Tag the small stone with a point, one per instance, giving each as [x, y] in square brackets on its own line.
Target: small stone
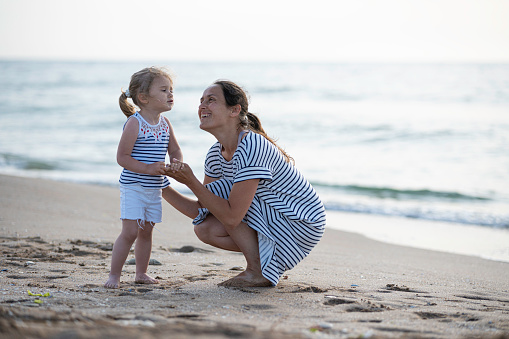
[154, 262]
[151, 262]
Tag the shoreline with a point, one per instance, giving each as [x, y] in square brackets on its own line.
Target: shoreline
[56, 238]
[472, 240]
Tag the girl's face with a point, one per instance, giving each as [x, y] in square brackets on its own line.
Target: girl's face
[213, 110]
[160, 95]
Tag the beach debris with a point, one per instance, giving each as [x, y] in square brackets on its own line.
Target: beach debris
[150, 262]
[237, 268]
[333, 300]
[135, 322]
[39, 296]
[367, 334]
[312, 289]
[29, 263]
[47, 294]
[394, 287]
[321, 327]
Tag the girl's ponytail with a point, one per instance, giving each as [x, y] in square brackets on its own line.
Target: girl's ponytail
[140, 84]
[127, 108]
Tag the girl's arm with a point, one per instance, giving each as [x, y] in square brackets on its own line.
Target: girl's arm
[229, 212]
[174, 150]
[125, 148]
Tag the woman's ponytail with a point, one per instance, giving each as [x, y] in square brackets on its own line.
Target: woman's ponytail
[255, 125]
[235, 95]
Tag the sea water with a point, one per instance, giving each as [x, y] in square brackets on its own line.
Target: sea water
[420, 141]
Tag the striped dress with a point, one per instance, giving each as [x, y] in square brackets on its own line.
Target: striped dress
[150, 146]
[286, 211]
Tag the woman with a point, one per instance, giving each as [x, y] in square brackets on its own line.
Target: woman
[252, 200]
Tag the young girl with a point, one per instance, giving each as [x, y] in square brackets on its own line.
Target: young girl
[146, 139]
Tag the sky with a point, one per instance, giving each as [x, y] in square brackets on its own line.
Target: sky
[256, 30]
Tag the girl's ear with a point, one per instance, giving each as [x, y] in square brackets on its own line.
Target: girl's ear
[235, 110]
[142, 98]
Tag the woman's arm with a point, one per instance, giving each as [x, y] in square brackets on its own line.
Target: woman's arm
[125, 148]
[229, 212]
[181, 203]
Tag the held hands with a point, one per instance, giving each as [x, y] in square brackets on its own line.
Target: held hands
[180, 171]
[156, 168]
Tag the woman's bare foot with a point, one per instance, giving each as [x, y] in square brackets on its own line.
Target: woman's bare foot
[145, 279]
[246, 279]
[113, 281]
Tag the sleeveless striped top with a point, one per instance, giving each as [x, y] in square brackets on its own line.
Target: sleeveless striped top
[150, 146]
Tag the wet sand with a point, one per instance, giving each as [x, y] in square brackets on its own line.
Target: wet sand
[56, 240]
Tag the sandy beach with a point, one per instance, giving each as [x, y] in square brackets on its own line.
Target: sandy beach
[56, 241]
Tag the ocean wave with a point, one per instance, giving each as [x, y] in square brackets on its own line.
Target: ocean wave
[400, 194]
[425, 213]
[23, 163]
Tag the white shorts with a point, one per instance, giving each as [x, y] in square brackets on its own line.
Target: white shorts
[140, 203]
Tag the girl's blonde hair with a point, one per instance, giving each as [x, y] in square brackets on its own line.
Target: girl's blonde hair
[140, 84]
[235, 95]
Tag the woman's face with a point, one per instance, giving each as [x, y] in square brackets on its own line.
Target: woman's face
[213, 110]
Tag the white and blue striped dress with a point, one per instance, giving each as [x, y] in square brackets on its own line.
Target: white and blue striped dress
[151, 146]
[286, 211]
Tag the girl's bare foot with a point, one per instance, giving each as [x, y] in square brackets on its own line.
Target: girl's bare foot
[247, 279]
[145, 279]
[113, 281]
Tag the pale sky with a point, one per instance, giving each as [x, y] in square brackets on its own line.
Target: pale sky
[245, 30]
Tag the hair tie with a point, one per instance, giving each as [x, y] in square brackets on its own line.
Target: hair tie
[127, 93]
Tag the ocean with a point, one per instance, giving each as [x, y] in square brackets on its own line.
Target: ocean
[419, 141]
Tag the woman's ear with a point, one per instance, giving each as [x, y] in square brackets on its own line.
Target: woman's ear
[235, 110]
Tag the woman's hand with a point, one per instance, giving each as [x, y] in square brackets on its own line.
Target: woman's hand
[180, 171]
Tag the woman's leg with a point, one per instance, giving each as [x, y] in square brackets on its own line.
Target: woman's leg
[121, 251]
[239, 239]
[142, 251]
[212, 232]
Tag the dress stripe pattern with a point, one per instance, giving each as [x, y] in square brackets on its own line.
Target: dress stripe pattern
[286, 211]
[150, 146]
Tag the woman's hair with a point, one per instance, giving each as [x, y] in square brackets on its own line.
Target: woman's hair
[140, 84]
[235, 95]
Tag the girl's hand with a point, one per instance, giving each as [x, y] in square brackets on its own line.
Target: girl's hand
[157, 168]
[180, 171]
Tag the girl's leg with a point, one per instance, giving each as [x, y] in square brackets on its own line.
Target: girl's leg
[121, 251]
[142, 251]
[240, 239]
